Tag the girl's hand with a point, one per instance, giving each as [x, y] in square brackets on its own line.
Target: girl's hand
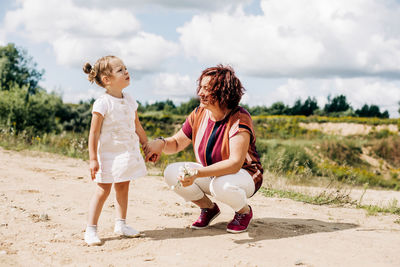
[154, 149]
[94, 167]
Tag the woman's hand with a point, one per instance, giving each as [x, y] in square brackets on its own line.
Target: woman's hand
[187, 180]
[153, 150]
[94, 168]
[187, 175]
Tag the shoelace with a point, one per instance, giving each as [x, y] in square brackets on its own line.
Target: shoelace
[238, 217]
[203, 214]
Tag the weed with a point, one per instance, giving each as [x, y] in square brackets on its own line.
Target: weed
[388, 149]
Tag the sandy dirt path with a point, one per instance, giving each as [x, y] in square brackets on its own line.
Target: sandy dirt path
[44, 201]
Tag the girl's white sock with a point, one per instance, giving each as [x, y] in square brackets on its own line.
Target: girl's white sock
[91, 228]
[120, 222]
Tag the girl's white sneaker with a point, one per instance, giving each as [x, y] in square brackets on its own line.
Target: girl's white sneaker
[91, 237]
[125, 230]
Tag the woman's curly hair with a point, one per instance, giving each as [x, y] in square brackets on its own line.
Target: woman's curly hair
[224, 87]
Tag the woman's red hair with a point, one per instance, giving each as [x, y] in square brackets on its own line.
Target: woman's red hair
[224, 86]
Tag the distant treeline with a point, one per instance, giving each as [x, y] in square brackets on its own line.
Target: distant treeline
[337, 106]
[26, 106]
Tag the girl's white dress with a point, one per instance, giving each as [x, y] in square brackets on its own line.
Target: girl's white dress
[118, 149]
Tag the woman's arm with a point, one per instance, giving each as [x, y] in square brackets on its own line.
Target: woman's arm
[170, 145]
[238, 147]
[140, 131]
[94, 134]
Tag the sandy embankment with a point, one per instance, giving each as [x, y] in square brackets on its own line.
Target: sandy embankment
[347, 128]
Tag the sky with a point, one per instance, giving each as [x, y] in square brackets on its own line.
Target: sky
[282, 50]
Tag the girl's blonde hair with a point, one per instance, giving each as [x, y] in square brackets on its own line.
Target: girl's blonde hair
[101, 68]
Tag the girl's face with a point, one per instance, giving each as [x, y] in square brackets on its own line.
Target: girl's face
[120, 76]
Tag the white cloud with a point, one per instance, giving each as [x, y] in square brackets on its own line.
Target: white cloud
[70, 95]
[2, 38]
[78, 33]
[173, 4]
[302, 38]
[385, 94]
[287, 93]
[175, 86]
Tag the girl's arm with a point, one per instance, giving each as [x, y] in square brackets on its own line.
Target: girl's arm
[94, 134]
[140, 131]
[238, 147]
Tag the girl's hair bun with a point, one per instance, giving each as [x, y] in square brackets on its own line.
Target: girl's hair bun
[101, 68]
[87, 68]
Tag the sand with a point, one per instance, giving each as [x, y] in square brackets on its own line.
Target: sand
[44, 199]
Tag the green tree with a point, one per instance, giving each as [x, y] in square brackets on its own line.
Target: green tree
[36, 115]
[279, 108]
[337, 104]
[75, 117]
[309, 106]
[258, 110]
[186, 107]
[371, 111]
[18, 69]
[399, 107]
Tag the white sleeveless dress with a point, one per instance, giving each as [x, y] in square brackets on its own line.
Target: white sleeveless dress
[118, 149]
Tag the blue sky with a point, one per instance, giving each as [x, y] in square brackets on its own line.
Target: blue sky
[282, 50]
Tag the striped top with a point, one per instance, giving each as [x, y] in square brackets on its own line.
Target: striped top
[210, 139]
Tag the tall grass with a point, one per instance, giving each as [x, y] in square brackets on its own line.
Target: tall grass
[67, 143]
[388, 149]
[342, 152]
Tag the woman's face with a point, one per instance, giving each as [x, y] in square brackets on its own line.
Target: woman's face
[204, 94]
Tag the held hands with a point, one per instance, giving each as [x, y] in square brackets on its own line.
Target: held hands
[94, 168]
[153, 150]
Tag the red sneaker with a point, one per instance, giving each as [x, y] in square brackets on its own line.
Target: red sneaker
[240, 222]
[206, 217]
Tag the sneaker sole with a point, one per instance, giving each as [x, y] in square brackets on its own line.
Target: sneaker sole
[236, 232]
[130, 236]
[93, 244]
[212, 219]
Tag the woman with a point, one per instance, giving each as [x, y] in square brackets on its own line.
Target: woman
[228, 166]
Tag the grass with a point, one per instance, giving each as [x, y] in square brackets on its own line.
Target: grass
[324, 198]
[391, 208]
[388, 148]
[66, 143]
[321, 119]
[337, 197]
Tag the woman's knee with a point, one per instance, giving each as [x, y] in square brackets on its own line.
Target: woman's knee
[221, 189]
[171, 173]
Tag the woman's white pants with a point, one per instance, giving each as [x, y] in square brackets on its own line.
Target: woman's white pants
[231, 189]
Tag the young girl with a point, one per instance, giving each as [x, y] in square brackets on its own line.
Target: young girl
[115, 133]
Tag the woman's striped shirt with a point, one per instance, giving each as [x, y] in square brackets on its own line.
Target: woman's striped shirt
[210, 139]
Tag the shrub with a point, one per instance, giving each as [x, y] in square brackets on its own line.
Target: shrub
[285, 159]
[342, 152]
[35, 113]
[388, 149]
[357, 176]
[284, 127]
